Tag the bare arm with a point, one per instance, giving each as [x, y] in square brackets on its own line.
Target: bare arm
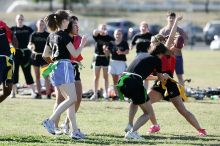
[161, 77]
[96, 32]
[152, 77]
[76, 52]
[106, 50]
[46, 54]
[30, 46]
[170, 39]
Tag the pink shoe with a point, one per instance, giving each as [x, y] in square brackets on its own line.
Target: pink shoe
[153, 129]
[202, 132]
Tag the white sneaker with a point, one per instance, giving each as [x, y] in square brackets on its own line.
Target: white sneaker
[49, 125]
[77, 134]
[65, 128]
[128, 128]
[33, 95]
[12, 95]
[58, 131]
[132, 135]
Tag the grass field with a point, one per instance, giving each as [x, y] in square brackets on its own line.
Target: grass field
[104, 122]
[202, 66]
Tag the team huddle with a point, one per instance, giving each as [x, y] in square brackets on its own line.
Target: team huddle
[59, 54]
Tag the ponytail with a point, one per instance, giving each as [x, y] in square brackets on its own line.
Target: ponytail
[51, 22]
[54, 21]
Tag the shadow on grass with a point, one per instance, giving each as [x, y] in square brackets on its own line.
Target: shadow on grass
[109, 139]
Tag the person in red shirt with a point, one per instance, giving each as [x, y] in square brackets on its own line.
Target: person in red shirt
[8, 31]
[6, 62]
[158, 90]
[177, 51]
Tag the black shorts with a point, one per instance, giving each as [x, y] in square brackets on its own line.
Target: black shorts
[102, 61]
[37, 60]
[5, 70]
[172, 89]
[132, 87]
[76, 72]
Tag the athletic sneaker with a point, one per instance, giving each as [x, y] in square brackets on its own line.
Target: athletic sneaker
[128, 128]
[58, 131]
[49, 125]
[132, 135]
[34, 95]
[65, 128]
[12, 95]
[202, 132]
[77, 134]
[153, 129]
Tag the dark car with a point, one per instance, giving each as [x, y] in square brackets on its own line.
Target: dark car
[124, 25]
[194, 33]
[210, 30]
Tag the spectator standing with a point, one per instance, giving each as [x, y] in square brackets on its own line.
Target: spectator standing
[101, 60]
[22, 56]
[142, 42]
[36, 45]
[165, 31]
[118, 49]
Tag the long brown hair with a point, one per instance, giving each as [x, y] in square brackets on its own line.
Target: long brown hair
[54, 20]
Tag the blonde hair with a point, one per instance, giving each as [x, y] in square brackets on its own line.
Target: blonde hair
[100, 27]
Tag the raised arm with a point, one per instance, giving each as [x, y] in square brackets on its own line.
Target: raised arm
[170, 39]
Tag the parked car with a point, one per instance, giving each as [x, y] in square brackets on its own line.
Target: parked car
[215, 44]
[124, 25]
[211, 29]
[194, 33]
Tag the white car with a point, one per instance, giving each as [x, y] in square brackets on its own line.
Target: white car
[215, 44]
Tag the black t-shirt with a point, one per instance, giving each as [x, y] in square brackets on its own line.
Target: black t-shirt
[144, 65]
[57, 42]
[123, 46]
[142, 42]
[22, 34]
[100, 41]
[4, 44]
[39, 40]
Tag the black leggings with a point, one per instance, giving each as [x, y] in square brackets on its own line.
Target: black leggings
[22, 58]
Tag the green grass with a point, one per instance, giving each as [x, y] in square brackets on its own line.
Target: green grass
[104, 122]
[202, 66]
